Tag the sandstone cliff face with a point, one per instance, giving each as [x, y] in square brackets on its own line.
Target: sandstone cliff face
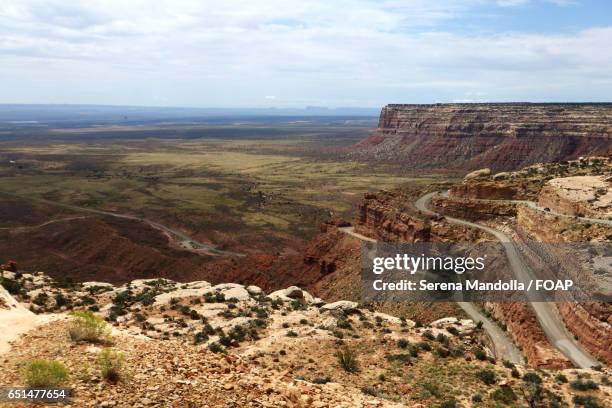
[551, 228]
[592, 325]
[389, 216]
[525, 330]
[591, 322]
[473, 210]
[489, 190]
[379, 218]
[499, 136]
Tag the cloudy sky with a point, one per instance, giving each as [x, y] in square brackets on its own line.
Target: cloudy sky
[293, 53]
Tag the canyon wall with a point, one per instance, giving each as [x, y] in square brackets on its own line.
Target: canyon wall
[502, 136]
[590, 322]
[525, 330]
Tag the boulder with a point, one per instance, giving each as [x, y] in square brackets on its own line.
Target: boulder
[254, 290]
[478, 173]
[344, 305]
[239, 293]
[501, 176]
[292, 293]
[388, 318]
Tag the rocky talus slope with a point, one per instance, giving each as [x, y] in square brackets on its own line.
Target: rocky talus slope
[198, 345]
[502, 136]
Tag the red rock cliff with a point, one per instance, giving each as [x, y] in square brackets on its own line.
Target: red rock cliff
[499, 136]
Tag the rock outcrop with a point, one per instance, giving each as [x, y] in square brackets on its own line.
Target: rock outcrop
[390, 216]
[473, 209]
[501, 136]
[583, 196]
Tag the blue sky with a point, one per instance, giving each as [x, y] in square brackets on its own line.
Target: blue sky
[290, 53]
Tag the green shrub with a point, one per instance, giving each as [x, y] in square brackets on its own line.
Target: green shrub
[486, 376]
[200, 337]
[582, 385]
[428, 335]
[504, 395]
[370, 390]
[442, 338]
[45, 373]
[480, 354]
[402, 343]
[476, 398]
[238, 333]
[424, 346]
[12, 286]
[112, 365]
[41, 299]
[532, 378]
[321, 380]
[122, 299]
[61, 300]
[586, 401]
[452, 330]
[343, 324]
[225, 340]
[291, 333]
[86, 326]
[560, 378]
[215, 347]
[402, 357]
[450, 403]
[347, 359]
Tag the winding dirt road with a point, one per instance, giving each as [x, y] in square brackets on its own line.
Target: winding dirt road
[181, 239]
[503, 347]
[546, 312]
[533, 205]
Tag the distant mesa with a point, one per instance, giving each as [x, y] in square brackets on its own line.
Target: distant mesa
[500, 136]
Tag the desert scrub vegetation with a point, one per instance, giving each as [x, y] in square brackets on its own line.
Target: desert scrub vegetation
[12, 286]
[584, 385]
[86, 326]
[487, 376]
[45, 373]
[112, 365]
[586, 401]
[347, 359]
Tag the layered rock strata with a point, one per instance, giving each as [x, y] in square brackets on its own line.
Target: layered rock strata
[501, 136]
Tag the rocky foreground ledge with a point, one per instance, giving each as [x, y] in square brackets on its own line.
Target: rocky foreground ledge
[198, 345]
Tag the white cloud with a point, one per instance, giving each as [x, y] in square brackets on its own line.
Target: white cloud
[229, 53]
[511, 3]
[563, 2]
